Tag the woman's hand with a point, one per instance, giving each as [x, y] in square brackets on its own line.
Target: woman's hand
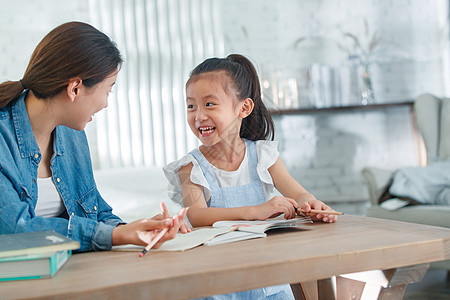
[184, 227]
[131, 233]
[141, 232]
[276, 206]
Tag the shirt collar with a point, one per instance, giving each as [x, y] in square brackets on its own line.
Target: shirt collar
[24, 133]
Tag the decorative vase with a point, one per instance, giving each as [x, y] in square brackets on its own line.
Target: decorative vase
[367, 96]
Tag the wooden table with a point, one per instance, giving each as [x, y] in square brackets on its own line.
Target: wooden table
[353, 244]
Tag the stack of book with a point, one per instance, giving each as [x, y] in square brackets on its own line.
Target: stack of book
[33, 255]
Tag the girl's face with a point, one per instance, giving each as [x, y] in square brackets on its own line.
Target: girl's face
[90, 101]
[212, 112]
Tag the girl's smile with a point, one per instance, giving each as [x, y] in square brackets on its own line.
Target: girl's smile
[206, 130]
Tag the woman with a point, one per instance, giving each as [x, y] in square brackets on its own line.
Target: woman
[46, 177]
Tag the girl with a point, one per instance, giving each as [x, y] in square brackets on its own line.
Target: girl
[46, 178]
[230, 175]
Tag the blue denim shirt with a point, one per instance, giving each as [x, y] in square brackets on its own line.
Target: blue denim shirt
[90, 219]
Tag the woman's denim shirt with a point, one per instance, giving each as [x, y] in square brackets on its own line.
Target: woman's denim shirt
[90, 219]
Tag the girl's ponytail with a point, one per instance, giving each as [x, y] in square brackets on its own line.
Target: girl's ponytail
[259, 124]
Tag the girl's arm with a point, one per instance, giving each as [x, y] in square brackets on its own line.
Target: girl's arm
[290, 188]
[199, 214]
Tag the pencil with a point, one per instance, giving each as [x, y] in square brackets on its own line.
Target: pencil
[317, 211]
[153, 242]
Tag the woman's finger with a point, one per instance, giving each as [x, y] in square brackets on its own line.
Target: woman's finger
[164, 210]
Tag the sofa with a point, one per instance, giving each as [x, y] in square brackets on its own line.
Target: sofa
[432, 116]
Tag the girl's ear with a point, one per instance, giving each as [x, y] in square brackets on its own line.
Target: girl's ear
[246, 108]
[73, 88]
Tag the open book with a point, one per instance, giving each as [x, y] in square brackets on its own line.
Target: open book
[223, 232]
[254, 229]
[182, 241]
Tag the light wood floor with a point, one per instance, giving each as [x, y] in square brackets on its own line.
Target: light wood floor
[434, 286]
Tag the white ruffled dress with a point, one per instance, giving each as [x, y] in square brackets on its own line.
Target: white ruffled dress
[267, 154]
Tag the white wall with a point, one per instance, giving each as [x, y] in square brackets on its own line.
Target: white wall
[326, 151]
[23, 23]
[288, 36]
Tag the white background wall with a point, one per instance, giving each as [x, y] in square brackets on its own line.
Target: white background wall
[325, 151]
[288, 36]
[23, 23]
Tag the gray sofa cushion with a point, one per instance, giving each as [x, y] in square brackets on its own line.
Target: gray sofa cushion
[444, 142]
[436, 215]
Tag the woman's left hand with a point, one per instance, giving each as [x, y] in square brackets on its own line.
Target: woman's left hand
[184, 227]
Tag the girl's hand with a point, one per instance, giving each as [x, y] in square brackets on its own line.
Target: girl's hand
[276, 206]
[318, 205]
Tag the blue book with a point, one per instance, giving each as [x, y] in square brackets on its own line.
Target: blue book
[36, 242]
[33, 266]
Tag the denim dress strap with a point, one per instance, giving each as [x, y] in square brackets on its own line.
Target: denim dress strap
[233, 196]
[238, 196]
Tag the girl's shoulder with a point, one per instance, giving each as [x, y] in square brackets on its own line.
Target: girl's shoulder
[183, 163]
[187, 164]
[267, 151]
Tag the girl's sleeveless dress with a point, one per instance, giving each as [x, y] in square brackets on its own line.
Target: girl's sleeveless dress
[252, 194]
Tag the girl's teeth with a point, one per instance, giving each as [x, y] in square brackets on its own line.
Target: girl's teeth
[206, 130]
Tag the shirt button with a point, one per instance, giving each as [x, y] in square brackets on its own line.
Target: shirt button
[58, 180]
[72, 214]
[36, 156]
[95, 207]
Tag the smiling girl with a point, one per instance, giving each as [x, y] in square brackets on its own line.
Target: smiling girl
[232, 174]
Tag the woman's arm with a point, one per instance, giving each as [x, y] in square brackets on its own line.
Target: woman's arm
[290, 188]
[200, 214]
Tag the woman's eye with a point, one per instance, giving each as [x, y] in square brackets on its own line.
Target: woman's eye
[209, 104]
[190, 106]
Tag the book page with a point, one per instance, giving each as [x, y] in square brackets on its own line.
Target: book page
[263, 226]
[182, 241]
[233, 236]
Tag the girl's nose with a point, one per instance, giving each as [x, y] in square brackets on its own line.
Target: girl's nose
[201, 115]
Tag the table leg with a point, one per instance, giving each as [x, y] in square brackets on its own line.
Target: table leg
[382, 285]
[305, 290]
[314, 290]
[349, 288]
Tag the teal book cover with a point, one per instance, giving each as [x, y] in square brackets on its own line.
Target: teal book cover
[37, 242]
[33, 266]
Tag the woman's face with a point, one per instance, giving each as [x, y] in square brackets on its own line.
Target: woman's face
[89, 101]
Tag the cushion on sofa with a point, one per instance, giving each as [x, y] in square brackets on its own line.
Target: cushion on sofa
[436, 215]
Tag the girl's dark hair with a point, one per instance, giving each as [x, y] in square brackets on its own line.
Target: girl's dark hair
[73, 49]
[259, 124]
